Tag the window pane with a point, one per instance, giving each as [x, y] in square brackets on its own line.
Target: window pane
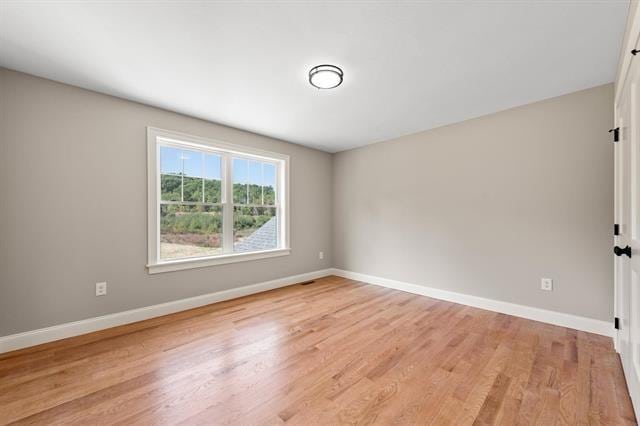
[240, 179]
[255, 182]
[254, 228]
[212, 166]
[171, 187]
[170, 169]
[193, 189]
[269, 182]
[212, 191]
[192, 163]
[213, 179]
[170, 160]
[190, 231]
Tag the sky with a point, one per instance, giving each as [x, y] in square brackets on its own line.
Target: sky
[199, 164]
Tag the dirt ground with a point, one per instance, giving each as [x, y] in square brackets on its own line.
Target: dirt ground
[177, 246]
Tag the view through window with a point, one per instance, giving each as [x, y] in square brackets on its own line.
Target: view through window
[216, 202]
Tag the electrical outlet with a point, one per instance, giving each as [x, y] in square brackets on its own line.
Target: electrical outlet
[546, 284]
[321, 255]
[101, 289]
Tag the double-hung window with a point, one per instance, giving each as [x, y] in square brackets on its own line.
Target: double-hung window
[213, 202]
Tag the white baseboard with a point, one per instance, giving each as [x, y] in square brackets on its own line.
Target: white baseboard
[76, 328]
[551, 317]
[62, 331]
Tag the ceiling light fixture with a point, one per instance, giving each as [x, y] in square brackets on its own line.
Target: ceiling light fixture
[325, 76]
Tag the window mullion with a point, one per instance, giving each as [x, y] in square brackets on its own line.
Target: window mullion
[203, 175]
[247, 178]
[278, 205]
[227, 204]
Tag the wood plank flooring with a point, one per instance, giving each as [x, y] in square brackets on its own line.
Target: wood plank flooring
[335, 351]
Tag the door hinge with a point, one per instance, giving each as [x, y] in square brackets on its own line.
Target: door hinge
[616, 134]
[616, 229]
[616, 323]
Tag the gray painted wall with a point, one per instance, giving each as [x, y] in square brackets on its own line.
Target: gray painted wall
[74, 206]
[489, 206]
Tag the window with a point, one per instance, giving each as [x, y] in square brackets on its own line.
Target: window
[212, 202]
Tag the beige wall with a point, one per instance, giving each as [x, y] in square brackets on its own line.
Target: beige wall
[484, 207]
[489, 206]
[74, 206]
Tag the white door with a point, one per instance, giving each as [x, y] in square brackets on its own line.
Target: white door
[627, 243]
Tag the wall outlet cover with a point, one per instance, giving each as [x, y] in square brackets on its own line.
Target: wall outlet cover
[101, 289]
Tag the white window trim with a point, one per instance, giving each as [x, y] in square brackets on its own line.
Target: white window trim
[154, 263]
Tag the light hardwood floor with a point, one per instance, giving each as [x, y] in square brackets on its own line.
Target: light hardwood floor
[335, 351]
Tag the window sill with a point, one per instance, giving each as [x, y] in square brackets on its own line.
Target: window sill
[202, 262]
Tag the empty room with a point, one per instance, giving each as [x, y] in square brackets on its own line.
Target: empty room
[320, 212]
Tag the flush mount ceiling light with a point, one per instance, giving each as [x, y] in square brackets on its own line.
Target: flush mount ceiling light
[325, 76]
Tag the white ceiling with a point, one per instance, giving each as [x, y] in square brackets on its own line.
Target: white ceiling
[409, 65]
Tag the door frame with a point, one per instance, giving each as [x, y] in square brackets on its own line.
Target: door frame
[631, 41]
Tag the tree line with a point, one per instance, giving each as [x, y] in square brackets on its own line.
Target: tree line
[195, 188]
[200, 219]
